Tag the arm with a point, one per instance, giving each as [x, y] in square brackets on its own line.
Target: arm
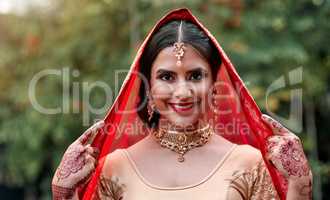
[285, 152]
[64, 193]
[76, 166]
[300, 188]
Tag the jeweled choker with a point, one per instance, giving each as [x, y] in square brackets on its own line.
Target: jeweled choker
[182, 142]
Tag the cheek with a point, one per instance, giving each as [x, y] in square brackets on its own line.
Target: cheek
[161, 91]
[203, 89]
[203, 93]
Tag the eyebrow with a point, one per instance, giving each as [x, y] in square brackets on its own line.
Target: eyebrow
[197, 69]
[160, 71]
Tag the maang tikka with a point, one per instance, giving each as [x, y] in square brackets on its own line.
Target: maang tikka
[179, 47]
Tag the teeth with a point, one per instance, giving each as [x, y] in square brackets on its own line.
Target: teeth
[182, 106]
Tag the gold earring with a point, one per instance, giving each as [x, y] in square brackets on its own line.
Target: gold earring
[214, 102]
[151, 108]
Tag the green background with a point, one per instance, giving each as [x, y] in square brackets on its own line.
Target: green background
[264, 39]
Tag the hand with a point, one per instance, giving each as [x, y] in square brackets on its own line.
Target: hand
[78, 163]
[285, 151]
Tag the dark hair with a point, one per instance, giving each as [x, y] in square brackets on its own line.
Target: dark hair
[166, 36]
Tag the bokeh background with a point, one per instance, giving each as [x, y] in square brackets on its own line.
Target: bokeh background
[264, 39]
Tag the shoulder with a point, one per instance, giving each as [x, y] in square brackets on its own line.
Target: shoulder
[252, 179]
[113, 163]
[110, 184]
[246, 156]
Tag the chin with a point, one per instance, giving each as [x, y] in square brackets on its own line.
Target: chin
[183, 121]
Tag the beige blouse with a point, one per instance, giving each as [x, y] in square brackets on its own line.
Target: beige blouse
[231, 179]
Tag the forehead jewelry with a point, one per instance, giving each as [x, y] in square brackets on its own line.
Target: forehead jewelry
[179, 47]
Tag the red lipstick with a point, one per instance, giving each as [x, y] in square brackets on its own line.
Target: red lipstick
[182, 106]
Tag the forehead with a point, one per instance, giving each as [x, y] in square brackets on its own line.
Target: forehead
[192, 58]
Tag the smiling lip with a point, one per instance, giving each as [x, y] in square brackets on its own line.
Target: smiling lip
[182, 107]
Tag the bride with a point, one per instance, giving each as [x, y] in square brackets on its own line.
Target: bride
[167, 135]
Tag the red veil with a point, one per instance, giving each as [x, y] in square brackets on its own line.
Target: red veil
[237, 110]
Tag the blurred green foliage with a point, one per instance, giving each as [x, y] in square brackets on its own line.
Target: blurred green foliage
[264, 39]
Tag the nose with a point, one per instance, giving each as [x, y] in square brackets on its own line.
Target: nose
[183, 91]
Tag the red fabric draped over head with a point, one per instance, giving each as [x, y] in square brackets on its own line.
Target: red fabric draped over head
[237, 116]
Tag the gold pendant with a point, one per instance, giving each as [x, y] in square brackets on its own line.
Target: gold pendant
[181, 143]
[181, 158]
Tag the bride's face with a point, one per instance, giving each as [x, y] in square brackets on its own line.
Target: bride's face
[180, 92]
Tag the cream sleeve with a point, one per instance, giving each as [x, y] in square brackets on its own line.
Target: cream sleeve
[252, 184]
[109, 186]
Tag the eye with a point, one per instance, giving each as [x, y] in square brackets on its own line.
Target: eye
[166, 76]
[197, 75]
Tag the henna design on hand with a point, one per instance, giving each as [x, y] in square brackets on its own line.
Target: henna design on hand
[293, 158]
[285, 148]
[288, 152]
[72, 162]
[77, 165]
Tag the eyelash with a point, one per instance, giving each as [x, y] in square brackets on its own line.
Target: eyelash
[200, 74]
[162, 76]
[170, 77]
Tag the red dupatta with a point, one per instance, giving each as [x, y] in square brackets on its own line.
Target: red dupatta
[238, 110]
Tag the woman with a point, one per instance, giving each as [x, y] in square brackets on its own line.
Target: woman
[184, 88]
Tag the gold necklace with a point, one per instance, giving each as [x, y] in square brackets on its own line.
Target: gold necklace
[182, 142]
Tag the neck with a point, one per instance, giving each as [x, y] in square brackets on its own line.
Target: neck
[169, 126]
[181, 140]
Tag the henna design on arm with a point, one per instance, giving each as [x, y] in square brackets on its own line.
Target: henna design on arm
[306, 190]
[60, 193]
